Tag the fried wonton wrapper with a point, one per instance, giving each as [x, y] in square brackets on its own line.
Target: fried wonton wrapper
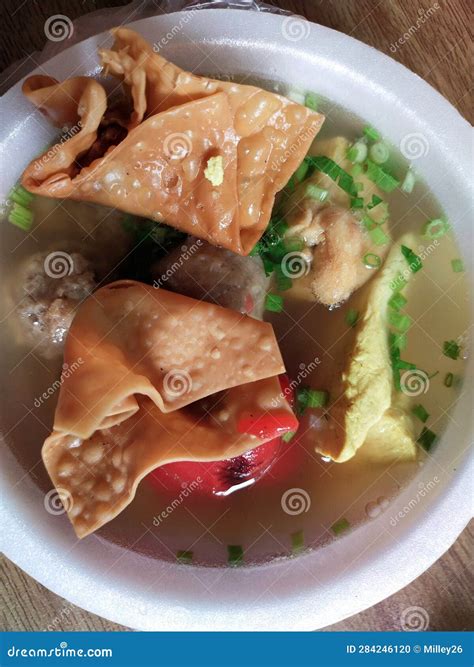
[144, 360]
[97, 478]
[179, 121]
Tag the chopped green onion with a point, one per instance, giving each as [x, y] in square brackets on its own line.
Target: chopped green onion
[414, 262]
[351, 317]
[184, 556]
[378, 236]
[457, 265]
[235, 555]
[397, 341]
[21, 196]
[357, 202]
[297, 542]
[408, 182]
[357, 152]
[300, 173]
[376, 200]
[426, 438]
[372, 261]
[435, 229]
[274, 303]
[317, 399]
[359, 186]
[356, 170]
[401, 322]
[340, 526]
[311, 101]
[21, 217]
[286, 437]
[420, 412]
[283, 281]
[314, 192]
[448, 380]
[371, 133]
[383, 179]
[379, 213]
[268, 265]
[334, 171]
[451, 349]
[379, 152]
[406, 365]
[397, 301]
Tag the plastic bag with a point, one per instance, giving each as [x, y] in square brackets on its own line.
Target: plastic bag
[62, 32]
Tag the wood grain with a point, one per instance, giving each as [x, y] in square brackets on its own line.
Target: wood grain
[438, 50]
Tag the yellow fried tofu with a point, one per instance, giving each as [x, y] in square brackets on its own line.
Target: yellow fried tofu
[366, 408]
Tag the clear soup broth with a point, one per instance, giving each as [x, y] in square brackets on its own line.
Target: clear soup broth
[304, 500]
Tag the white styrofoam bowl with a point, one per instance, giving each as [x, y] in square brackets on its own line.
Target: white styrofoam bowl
[378, 558]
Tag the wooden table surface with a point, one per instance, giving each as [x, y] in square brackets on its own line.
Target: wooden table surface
[437, 51]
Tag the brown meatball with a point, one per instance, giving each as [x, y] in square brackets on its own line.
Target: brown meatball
[53, 285]
[202, 271]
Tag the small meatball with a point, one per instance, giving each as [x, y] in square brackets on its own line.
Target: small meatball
[202, 271]
[337, 267]
[53, 285]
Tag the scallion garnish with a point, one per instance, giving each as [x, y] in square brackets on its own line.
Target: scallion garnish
[426, 438]
[235, 554]
[340, 526]
[274, 303]
[435, 229]
[286, 437]
[297, 542]
[356, 170]
[314, 192]
[310, 398]
[283, 281]
[408, 182]
[311, 101]
[357, 202]
[21, 196]
[21, 217]
[300, 173]
[414, 262]
[357, 152]
[457, 265]
[397, 301]
[334, 171]
[448, 380]
[376, 200]
[351, 317]
[379, 152]
[371, 133]
[451, 349]
[383, 179]
[184, 556]
[378, 236]
[397, 341]
[400, 321]
[420, 412]
[371, 260]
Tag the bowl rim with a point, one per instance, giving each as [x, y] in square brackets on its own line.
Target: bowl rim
[34, 547]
